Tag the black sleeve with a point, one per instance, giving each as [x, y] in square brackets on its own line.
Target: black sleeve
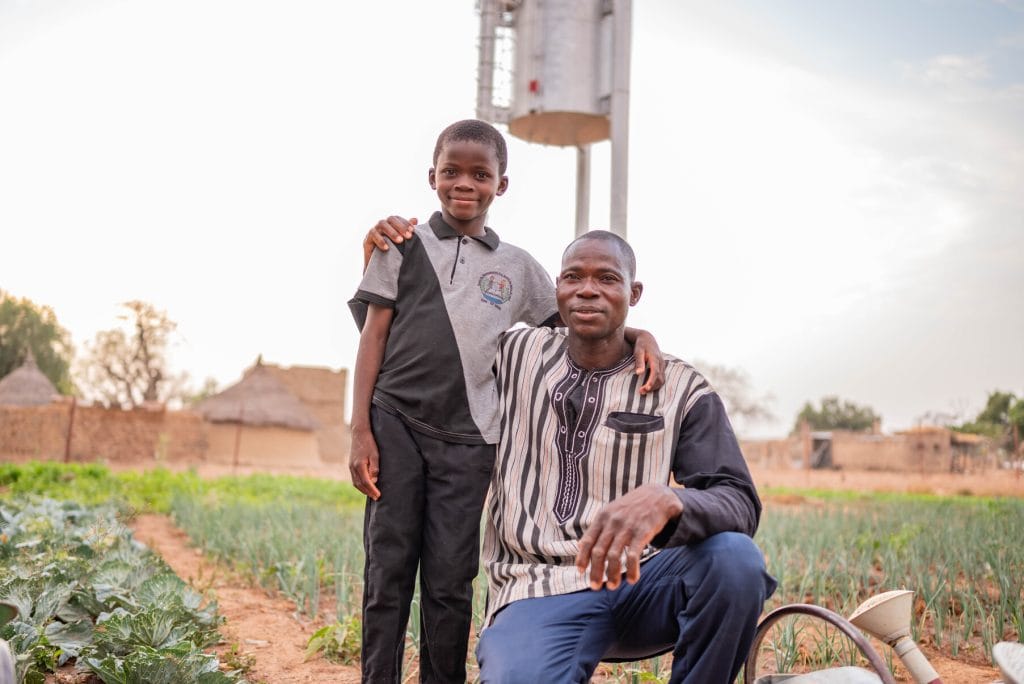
[359, 305]
[718, 494]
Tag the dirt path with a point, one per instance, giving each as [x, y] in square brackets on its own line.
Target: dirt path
[261, 626]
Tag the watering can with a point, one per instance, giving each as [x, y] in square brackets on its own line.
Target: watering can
[1009, 657]
[885, 617]
[7, 613]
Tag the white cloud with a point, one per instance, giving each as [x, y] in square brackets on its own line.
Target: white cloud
[949, 70]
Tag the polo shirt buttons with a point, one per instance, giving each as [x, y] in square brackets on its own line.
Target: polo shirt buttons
[465, 241]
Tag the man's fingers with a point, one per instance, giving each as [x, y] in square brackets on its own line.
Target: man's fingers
[614, 568]
[395, 228]
[583, 554]
[633, 563]
[600, 556]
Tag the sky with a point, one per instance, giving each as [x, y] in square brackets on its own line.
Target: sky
[827, 196]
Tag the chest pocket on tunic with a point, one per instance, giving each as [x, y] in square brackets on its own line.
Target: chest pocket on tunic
[634, 423]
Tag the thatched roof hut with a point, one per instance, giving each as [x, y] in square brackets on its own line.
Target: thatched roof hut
[27, 386]
[258, 399]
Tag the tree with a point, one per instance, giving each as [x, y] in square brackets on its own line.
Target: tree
[1002, 413]
[733, 386]
[126, 368]
[208, 389]
[26, 326]
[835, 414]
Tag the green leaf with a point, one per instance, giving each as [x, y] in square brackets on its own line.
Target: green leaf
[69, 638]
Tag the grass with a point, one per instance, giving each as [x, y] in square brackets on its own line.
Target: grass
[961, 555]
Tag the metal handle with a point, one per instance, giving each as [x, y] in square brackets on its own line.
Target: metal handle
[844, 625]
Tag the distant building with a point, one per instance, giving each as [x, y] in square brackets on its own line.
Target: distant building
[279, 415]
[27, 386]
[322, 392]
[928, 449]
[274, 416]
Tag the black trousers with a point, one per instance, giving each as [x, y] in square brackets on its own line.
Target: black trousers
[428, 518]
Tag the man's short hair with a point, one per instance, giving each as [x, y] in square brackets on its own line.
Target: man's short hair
[624, 249]
[476, 131]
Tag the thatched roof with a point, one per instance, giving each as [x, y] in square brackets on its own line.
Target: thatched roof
[312, 384]
[260, 399]
[27, 386]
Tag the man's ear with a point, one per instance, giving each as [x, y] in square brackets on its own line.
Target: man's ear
[635, 290]
[432, 178]
[502, 186]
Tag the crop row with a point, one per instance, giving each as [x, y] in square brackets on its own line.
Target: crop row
[87, 593]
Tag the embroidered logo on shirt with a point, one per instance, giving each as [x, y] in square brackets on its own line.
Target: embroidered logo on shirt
[496, 288]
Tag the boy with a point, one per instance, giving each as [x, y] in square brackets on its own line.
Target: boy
[425, 413]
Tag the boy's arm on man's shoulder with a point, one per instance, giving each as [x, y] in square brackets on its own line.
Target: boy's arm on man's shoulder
[649, 361]
[393, 229]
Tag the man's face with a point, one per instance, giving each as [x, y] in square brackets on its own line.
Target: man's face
[595, 289]
[466, 179]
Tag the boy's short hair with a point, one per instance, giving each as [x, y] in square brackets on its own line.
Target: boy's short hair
[475, 131]
[620, 243]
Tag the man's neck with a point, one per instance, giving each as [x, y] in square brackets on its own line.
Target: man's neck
[598, 354]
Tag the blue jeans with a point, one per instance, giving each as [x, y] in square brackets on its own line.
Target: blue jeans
[701, 602]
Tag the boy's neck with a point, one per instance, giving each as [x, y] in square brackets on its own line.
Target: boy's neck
[471, 228]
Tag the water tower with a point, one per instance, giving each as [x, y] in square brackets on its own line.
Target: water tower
[557, 73]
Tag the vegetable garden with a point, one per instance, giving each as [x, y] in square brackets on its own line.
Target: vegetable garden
[90, 594]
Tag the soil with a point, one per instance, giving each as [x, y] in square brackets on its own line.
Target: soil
[259, 628]
[265, 630]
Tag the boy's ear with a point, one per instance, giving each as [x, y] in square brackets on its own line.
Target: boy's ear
[502, 186]
[432, 178]
[636, 289]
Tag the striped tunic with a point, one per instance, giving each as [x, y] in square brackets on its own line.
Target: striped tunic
[574, 439]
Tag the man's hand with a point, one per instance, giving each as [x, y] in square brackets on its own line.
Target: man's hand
[626, 525]
[648, 359]
[392, 229]
[364, 462]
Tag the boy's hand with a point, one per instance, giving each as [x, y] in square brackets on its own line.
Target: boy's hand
[364, 462]
[392, 229]
[649, 361]
[625, 525]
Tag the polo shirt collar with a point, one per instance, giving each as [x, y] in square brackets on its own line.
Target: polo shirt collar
[442, 230]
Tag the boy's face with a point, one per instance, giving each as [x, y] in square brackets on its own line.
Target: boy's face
[467, 180]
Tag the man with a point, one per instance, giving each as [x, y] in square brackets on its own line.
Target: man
[580, 497]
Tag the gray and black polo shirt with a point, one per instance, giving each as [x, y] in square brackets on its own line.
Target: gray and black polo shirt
[452, 296]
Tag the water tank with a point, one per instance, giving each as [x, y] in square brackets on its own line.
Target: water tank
[561, 85]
